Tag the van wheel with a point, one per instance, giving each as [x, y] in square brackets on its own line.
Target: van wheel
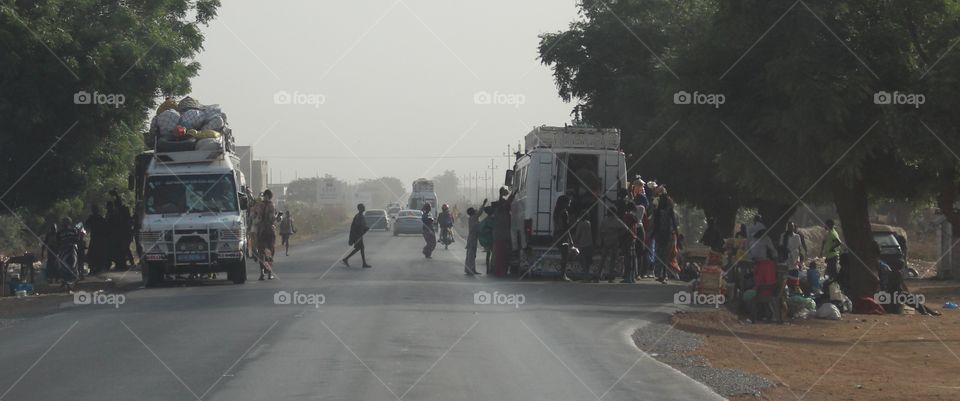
[152, 274]
[238, 272]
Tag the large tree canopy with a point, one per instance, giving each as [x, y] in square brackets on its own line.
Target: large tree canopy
[805, 86]
[57, 143]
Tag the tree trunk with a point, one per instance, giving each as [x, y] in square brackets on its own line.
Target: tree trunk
[724, 213]
[852, 207]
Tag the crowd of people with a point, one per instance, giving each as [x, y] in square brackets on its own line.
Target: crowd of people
[637, 238]
[102, 242]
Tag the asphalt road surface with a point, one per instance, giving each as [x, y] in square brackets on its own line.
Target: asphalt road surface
[407, 329]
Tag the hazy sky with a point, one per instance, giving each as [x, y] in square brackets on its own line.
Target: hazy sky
[397, 81]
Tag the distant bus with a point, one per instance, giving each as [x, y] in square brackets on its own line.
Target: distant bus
[423, 192]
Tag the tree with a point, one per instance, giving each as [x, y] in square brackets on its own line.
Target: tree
[62, 61]
[802, 120]
[614, 64]
[385, 190]
[447, 186]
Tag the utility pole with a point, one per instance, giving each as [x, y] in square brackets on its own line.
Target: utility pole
[509, 155]
[493, 175]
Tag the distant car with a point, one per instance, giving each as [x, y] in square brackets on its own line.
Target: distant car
[392, 212]
[377, 219]
[408, 222]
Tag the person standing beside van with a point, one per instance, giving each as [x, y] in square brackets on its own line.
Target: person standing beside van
[501, 232]
[561, 233]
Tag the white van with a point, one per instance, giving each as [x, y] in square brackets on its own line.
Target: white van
[584, 163]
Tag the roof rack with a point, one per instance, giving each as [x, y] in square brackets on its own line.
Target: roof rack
[189, 156]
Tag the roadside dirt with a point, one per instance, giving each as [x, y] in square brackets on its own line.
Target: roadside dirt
[862, 357]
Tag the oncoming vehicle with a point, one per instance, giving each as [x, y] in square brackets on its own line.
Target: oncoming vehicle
[423, 192]
[377, 219]
[392, 212]
[191, 210]
[584, 163]
[408, 222]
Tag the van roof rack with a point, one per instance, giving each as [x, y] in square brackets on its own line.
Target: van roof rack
[189, 156]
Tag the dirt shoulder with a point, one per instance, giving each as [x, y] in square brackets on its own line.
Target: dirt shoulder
[862, 357]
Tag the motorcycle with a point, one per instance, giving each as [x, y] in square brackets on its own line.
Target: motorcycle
[446, 237]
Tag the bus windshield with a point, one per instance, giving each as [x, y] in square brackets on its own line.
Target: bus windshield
[190, 194]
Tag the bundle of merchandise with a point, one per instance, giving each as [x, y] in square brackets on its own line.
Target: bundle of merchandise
[188, 125]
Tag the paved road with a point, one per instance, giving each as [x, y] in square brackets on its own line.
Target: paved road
[407, 329]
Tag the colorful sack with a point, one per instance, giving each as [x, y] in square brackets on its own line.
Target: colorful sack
[168, 104]
[829, 311]
[207, 134]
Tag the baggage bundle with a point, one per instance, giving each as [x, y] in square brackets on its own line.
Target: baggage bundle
[188, 125]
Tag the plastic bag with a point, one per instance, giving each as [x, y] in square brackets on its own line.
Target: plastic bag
[207, 134]
[829, 311]
[188, 103]
[214, 123]
[191, 119]
[209, 144]
[167, 122]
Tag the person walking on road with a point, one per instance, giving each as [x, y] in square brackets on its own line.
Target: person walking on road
[561, 233]
[358, 228]
[264, 219]
[429, 231]
[473, 238]
[286, 230]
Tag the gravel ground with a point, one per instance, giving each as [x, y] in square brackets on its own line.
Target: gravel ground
[672, 348]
